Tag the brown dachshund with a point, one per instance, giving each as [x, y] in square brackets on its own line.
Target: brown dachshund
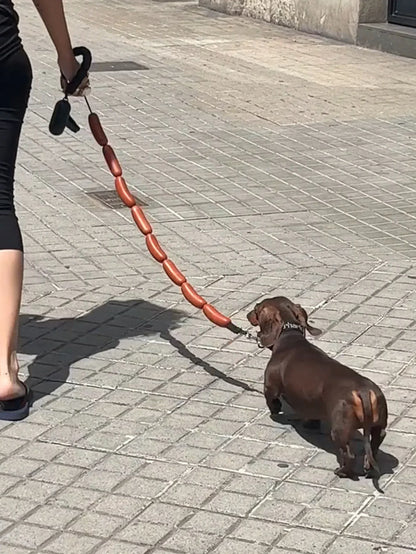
[317, 386]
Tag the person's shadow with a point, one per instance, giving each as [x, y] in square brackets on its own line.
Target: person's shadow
[320, 437]
[58, 344]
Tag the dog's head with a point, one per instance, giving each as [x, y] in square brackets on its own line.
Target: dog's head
[271, 314]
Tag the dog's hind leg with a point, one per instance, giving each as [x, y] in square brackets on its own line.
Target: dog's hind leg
[378, 435]
[346, 459]
[273, 402]
[341, 433]
[378, 431]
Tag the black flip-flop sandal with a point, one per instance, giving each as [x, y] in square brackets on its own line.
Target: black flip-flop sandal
[15, 409]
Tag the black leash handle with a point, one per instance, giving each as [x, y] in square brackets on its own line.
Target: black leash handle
[82, 72]
[61, 117]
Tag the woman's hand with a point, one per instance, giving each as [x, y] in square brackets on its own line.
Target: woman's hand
[68, 65]
[69, 68]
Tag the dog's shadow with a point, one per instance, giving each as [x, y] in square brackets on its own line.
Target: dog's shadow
[59, 344]
[320, 438]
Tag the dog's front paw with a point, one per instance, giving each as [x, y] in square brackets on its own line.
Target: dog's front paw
[344, 474]
[274, 405]
[340, 472]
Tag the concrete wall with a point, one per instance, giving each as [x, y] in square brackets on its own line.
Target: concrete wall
[332, 18]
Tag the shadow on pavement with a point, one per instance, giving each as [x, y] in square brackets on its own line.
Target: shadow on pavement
[182, 349]
[60, 343]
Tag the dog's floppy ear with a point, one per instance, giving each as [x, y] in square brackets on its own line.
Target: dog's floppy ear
[252, 317]
[302, 317]
[270, 325]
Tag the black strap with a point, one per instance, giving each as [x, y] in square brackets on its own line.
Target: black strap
[236, 330]
[82, 72]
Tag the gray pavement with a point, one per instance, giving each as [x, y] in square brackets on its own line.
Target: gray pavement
[270, 162]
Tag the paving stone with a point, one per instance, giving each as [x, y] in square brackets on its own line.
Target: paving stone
[58, 474]
[141, 487]
[163, 470]
[144, 532]
[374, 528]
[297, 493]
[19, 466]
[79, 457]
[391, 509]
[399, 491]
[34, 490]
[98, 525]
[345, 544]
[118, 547]
[9, 445]
[52, 516]
[164, 513]
[231, 503]
[305, 540]
[100, 480]
[144, 447]
[121, 506]
[227, 461]
[257, 531]
[248, 484]
[233, 546]
[274, 510]
[78, 498]
[4, 525]
[187, 495]
[314, 475]
[210, 522]
[27, 431]
[279, 453]
[15, 508]
[187, 454]
[407, 536]
[29, 536]
[12, 549]
[189, 542]
[71, 544]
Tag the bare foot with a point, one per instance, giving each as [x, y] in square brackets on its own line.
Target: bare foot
[9, 390]
[10, 385]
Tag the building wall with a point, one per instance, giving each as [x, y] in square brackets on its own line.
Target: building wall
[332, 18]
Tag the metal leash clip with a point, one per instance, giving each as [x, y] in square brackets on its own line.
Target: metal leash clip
[61, 117]
[245, 333]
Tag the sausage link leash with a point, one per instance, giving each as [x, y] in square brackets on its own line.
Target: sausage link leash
[60, 119]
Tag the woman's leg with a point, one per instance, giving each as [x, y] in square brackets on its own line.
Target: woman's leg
[15, 83]
[11, 277]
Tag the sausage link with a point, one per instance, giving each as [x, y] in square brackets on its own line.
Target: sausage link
[97, 129]
[155, 249]
[192, 296]
[141, 220]
[173, 273]
[112, 161]
[215, 316]
[124, 193]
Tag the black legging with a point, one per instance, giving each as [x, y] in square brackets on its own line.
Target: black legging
[15, 84]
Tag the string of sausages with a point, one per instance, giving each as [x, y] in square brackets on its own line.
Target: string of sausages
[174, 274]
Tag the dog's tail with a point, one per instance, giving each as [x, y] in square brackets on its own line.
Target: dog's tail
[367, 425]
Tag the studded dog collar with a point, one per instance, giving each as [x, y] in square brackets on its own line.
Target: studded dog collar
[293, 327]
